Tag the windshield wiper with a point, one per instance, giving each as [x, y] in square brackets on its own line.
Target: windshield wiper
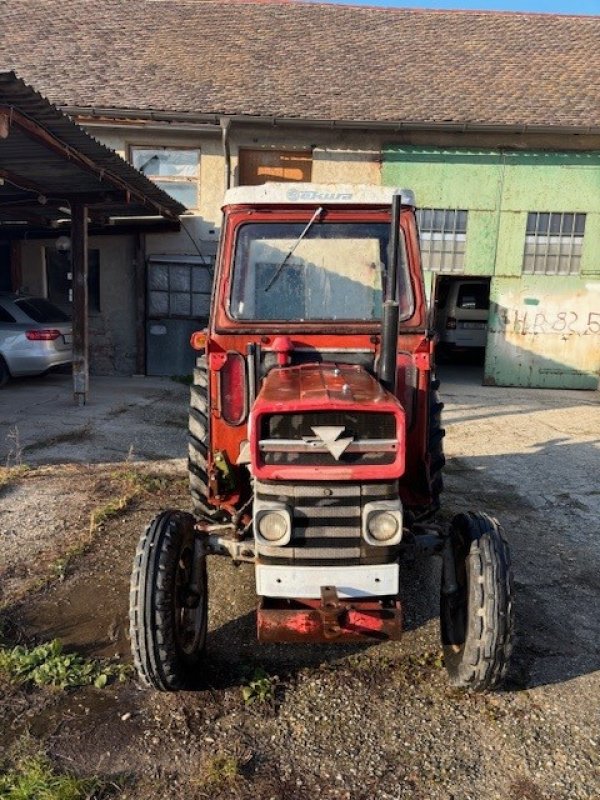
[290, 252]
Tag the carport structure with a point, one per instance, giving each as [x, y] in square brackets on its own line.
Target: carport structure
[56, 179]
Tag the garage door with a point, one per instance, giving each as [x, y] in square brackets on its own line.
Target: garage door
[178, 300]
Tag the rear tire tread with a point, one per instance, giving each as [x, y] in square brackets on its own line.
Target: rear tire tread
[199, 435]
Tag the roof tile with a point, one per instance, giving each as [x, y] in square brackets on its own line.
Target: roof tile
[314, 61]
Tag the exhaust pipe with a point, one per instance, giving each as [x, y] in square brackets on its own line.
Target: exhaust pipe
[391, 309]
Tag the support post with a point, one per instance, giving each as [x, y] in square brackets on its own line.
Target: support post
[79, 266]
[140, 303]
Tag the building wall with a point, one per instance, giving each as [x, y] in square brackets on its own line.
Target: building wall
[544, 329]
[497, 177]
[112, 328]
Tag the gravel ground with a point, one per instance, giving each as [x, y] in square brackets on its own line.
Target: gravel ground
[375, 722]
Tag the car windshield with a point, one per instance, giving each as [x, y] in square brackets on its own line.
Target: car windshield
[335, 272]
[40, 310]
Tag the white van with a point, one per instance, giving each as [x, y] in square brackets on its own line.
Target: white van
[461, 313]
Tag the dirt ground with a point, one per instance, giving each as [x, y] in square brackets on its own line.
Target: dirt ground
[346, 724]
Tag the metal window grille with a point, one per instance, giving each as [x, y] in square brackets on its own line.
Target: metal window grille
[443, 235]
[553, 243]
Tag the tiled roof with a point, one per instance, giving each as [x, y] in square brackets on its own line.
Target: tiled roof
[311, 61]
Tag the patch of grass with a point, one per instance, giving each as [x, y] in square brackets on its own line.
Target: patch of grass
[48, 665]
[132, 484]
[221, 770]
[34, 778]
[260, 688]
[9, 475]
[109, 510]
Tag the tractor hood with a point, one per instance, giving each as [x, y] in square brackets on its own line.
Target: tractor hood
[321, 385]
[326, 422]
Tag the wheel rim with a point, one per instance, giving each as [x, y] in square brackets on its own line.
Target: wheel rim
[457, 608]
[190, 612]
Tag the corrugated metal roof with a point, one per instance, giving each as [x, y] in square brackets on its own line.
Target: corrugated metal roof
[48, 161]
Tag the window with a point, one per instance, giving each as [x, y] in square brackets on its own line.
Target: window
[260, 166]
[553, 243]
[473, 296]
[176, 171]
[443, 235]
[335, 271]
[178, 290]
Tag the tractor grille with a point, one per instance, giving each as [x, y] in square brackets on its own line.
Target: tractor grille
[290, 439]
[326, 521]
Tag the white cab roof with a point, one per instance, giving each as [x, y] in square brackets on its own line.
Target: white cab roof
[317, 193]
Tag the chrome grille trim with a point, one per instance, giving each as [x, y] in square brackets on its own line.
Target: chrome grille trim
[303, 446]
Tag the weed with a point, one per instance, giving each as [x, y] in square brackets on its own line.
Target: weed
[15, 449]
[9, 475]
[221, 770]
[260, 688]
[48, 665]
[187, 380]
[109, 510]
[133, 483]
[34, 777]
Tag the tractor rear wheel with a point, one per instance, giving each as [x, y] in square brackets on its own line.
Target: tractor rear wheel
[477, 618]
[436, 445]
[199, 436]
[435, 452]
[168, 604]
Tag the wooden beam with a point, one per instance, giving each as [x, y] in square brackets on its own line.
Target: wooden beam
[22, 183]
[4, 124]
[79, 266]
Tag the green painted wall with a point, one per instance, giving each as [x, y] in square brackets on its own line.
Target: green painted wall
[544, 330]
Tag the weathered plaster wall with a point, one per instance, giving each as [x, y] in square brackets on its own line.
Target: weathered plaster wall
[112, 329]
[497, 177]
[544, 329]
[337, 157]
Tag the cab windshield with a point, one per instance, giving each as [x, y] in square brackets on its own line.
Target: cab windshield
[335, 272]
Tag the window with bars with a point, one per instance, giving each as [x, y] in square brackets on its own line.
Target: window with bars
[175, 171]
[443, 235]
[553, 243]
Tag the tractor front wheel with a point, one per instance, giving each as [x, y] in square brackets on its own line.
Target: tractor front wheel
[477, 617]
[168, 604]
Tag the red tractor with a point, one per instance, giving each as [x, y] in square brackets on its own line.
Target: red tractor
[316, 444]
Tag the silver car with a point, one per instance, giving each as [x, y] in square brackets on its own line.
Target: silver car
[35, 336]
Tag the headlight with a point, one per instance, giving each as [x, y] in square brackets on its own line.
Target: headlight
[382, 522]
[272, 523]
[272, 526]
[382, 526]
